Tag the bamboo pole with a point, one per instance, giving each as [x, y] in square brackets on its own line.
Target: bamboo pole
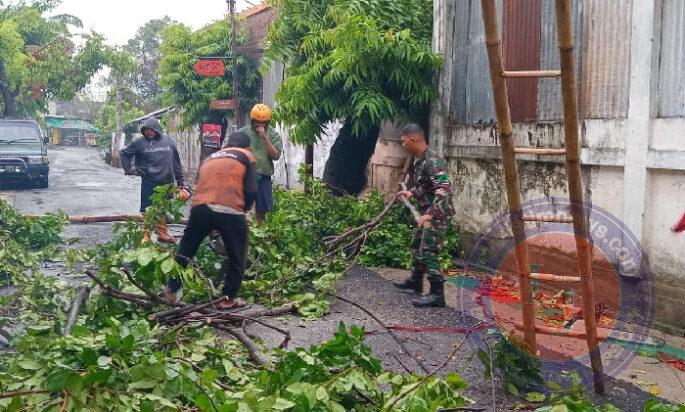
[511, 175]
[580, 225]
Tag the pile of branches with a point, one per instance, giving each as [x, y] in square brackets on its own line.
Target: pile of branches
[178, 314]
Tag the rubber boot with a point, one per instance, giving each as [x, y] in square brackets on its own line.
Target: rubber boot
[163, 233]
[413, 284]
[435, 298]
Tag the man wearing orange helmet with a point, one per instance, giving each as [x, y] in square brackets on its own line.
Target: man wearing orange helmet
[266, 145]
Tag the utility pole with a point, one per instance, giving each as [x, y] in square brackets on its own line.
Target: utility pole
[116, 138]
[234, 51]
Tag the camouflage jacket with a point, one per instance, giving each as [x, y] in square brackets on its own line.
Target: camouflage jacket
[429, 183]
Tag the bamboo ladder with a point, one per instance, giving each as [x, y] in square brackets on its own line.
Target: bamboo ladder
[498, 76]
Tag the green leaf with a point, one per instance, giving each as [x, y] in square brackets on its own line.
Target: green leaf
[57, 381]
[554, 386]
[98, 376]
[74, 384]
[143, 384]
[202, 401]
[30, 365]
[147, 406]
[283, 404]
[145, 256]
[168, 265]
[512, 389]
[322, 394]
[208, 376]
[89, 357]
[535, 397]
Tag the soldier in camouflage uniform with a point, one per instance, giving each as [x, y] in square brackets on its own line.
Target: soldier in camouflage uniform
[429, 184]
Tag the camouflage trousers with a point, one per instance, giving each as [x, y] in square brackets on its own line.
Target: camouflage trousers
[425, 250]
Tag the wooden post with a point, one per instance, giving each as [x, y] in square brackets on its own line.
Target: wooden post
[580, 225]
[511, 176]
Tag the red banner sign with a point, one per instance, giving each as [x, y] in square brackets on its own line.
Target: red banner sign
[210, 67]
[211, 135]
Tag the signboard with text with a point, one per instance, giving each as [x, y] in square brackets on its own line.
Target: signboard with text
[222, 104]
[210, 67]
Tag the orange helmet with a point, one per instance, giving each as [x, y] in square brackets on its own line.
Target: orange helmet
[260, 112]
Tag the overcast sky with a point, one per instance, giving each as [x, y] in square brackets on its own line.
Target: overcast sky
[119, 20]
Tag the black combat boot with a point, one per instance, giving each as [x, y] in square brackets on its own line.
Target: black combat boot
[413, 284]
[435, 298]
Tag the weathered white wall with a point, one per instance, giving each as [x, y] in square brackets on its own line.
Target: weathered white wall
[293, 155]
[286, 174]
[188, 145]
[633, 165]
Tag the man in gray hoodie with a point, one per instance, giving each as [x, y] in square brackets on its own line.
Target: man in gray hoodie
[157, 163]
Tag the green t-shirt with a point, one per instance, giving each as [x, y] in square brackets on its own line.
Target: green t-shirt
[265, 165]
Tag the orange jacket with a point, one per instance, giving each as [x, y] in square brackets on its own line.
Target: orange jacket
[228, 178]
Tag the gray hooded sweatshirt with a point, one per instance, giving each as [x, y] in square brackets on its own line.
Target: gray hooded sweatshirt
[156, 160]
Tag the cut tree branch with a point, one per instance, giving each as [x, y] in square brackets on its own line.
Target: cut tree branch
[81, 297]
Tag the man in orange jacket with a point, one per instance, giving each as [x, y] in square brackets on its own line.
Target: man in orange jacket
[225, 191]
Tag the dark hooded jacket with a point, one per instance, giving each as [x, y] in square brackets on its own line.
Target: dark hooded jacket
[156, 160]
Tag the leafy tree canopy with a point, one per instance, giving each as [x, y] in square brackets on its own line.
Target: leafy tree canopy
[145, 47]
[180, 50]
[106, 120]
[358, 60]
[38, 59]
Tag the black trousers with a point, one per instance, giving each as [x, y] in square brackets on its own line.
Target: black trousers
[233, 230]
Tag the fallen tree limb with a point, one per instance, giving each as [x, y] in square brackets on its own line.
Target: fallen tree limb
[206, 312]
[232, 317]
[256, 354]
[141, 300]
[86, 219]
[183, 309]
[81, 297]
[332, 241]
[22, 393]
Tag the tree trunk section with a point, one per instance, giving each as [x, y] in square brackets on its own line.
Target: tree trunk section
[116, 144]
[345, 171]
[10, 105]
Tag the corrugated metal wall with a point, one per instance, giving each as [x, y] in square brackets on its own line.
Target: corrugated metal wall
[670, 93]
[471, 100]
[549, 89]
[602, 30]
[606, 58]
[521, 43]
[271, 82]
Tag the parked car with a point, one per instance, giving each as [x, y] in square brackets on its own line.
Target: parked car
[23, 153]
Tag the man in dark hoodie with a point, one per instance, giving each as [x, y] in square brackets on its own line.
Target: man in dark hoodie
[157, 163]
[226, 189]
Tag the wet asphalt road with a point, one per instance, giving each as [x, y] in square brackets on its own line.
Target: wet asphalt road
[81, 183]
